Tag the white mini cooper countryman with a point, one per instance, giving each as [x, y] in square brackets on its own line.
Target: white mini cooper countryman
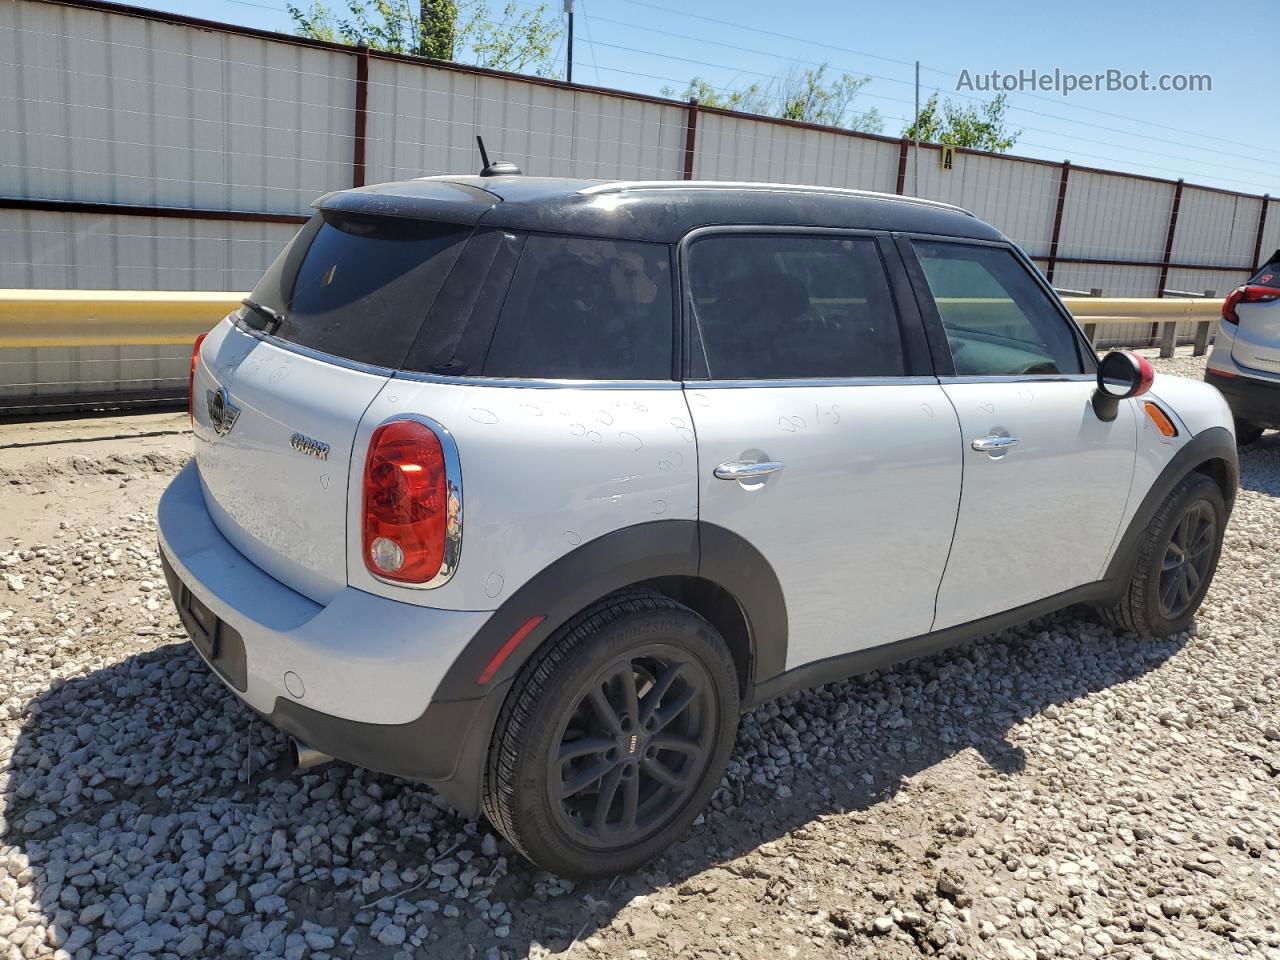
[526, 487]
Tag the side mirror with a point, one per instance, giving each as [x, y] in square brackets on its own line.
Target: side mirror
[1121, 374]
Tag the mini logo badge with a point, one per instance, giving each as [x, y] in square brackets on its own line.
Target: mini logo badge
[635, 741]
[222, 412]
[308, 446]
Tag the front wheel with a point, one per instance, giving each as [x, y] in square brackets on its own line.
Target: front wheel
[613, 738]
[1176, 560]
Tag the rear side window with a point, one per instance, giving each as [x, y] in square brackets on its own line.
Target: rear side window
[998, 320]
[584, 309]
[783, 307]
[357, 287]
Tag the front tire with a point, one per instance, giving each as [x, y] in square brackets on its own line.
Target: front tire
[1177, 558]
[613, 738]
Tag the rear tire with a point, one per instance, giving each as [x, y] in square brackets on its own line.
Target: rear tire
[613, 738]
[1177, 558]
[1247, 433]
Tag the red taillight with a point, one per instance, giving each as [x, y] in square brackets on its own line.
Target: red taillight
[191, 379]
[406, 503]
[1249, 293]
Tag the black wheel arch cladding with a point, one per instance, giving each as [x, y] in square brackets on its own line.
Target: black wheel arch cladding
[671, 556]
[1211, 452]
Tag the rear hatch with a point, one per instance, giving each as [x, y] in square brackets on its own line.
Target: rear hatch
[282, 385]
[1257, 337]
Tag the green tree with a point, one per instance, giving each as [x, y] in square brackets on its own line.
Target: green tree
[520, 40]
[800, 95]
[981, 127]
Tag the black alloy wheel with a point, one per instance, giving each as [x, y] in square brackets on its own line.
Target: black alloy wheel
[613, 737]
[635, 743]
[1175, 560]
[1187, 559]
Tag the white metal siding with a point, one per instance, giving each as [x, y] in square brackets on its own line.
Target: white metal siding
[1214, 228]
[616, 138]
[82, 251]
[58, 371]
[1113, 217]
[1018, 197]
[736, 148]
[120, 109]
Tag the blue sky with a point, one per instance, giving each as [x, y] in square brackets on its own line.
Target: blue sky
[1227, 137]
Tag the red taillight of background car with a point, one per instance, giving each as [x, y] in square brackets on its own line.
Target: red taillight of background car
[406, 502]
[1249, 293]
[191, 379]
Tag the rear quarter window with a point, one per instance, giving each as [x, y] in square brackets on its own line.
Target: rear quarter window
[357, 287]
[586, 309]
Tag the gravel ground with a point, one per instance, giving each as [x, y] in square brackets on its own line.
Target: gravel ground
[1057, 790]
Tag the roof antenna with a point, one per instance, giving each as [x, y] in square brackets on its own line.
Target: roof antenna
[499, 168]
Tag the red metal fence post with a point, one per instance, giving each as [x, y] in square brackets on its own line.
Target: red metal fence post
[1257, 240]
[1168, 241]
[1057, 220]
[690, 137]
[362, 117]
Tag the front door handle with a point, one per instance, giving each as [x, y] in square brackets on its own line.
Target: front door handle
[987, 444]
[746, 470]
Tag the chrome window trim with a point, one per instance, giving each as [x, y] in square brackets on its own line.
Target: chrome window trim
[1024, 378]
[308, 351]
[696, 385]
[535, 383]
[476, 381]
[453, 489]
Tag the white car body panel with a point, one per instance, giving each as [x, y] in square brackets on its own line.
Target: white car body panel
[1039, 518]
[283, 510]
[858, 522]
[543, 470]
[1154, 451]
[1222, 358]
[1256, 341]
[358, 657]
[1195, 405]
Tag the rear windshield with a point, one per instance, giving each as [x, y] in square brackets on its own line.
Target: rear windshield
[356, 287]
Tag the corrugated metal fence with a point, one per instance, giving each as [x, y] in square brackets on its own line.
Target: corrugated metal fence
[143, 150]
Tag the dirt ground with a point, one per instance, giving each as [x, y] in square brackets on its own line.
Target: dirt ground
[1057, 790]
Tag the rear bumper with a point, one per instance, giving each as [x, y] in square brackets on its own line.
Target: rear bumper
[354, 679]
[1250, 398]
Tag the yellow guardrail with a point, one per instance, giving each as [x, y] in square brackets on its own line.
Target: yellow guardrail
[108, 318]
[1143, 310]
[94, 318]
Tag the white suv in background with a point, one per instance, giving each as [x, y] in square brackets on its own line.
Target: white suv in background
[526, 487]
[1245, 363]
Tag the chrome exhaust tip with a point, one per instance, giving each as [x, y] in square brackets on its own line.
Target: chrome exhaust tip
[304, 757]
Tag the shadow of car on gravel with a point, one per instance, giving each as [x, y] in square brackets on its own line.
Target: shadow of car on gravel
[144, 800]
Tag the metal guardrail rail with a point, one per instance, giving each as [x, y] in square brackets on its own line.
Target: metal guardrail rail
[70, 349]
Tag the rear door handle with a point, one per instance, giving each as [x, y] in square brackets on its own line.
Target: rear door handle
[746, 470]
[987, 444]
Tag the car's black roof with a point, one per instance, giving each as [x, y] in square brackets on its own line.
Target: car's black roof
[662, 211]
